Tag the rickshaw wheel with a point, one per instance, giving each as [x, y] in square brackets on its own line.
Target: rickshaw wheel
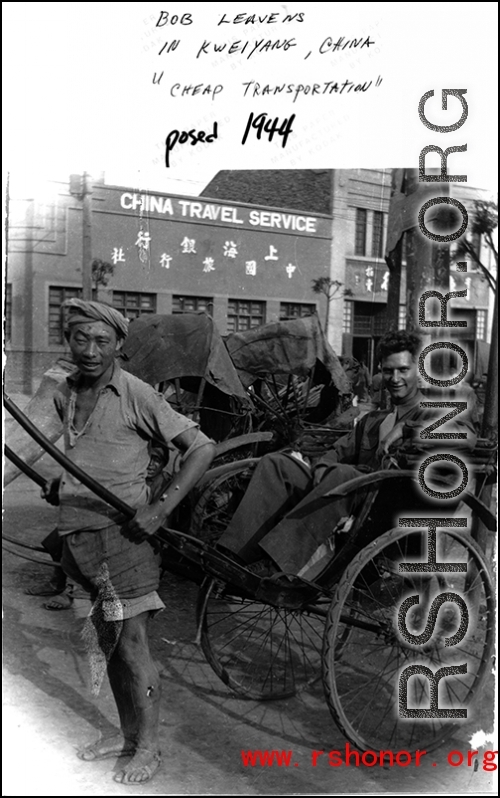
[217, 503]
[361, 670]
[260, 651]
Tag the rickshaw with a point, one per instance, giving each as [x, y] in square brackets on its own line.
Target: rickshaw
[298, 390]
[265, 637]
[269, 637]
[256, 391]
[233, 389]
[292, 374]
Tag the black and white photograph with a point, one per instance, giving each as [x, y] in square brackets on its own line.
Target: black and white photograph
[250, 399]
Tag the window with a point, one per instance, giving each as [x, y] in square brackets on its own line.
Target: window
[57, 296]
[369, 319]
[296, 310]
[135, 304]
[360, 240]
[244, 314]
[380, 322]
[190, 304]
[378, 235]
[8, 312]
[347, 326]
[481, 316]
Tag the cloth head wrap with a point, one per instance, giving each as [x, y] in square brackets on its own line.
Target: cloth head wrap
[81, 311]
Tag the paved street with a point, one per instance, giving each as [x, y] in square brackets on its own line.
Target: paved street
[50, 712]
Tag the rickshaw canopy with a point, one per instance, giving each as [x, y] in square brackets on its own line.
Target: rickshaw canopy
[161, 347]
[285, 347]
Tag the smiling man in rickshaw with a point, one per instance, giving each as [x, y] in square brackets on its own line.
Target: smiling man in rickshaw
[280, 526]
[110, 418]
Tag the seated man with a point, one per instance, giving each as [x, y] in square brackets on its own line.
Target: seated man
[109, 419]
[280, 516]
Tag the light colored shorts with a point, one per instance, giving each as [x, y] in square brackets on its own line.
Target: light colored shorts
[131, 569]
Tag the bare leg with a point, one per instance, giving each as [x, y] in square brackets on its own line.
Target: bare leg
[135, 684]
[136, 687]
[124, 742]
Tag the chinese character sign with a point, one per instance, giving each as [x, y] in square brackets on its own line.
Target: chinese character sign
[208, 265]
[230, 249]
[117, 255]
[188, 245]
[142, 243]
[272, 253]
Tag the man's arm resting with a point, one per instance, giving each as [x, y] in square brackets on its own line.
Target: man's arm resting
[199, 452]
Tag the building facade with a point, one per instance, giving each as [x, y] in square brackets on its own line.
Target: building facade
[243, 264]
[360, 212]
[358, 203]
[240, 260]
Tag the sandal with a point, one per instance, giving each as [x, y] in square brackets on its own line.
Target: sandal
[94, 752]
[149, 769]
[64, 602]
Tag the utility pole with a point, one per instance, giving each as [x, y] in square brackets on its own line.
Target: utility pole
[427, 263]
[339, 244]
[396, 227]
[80, 186]
[86, 237]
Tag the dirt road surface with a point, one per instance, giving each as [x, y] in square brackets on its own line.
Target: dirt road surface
[49, 710]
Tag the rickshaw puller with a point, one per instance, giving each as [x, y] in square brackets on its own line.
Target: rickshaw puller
[109, 418]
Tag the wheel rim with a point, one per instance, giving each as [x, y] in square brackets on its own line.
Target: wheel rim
[260, 651]
[361, 672]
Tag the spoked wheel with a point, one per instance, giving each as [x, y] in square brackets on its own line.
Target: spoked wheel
[361, 671]
[258, 650]
[217, 503]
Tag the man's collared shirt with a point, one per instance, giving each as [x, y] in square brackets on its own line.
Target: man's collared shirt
[360, 447]
[112, 447]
